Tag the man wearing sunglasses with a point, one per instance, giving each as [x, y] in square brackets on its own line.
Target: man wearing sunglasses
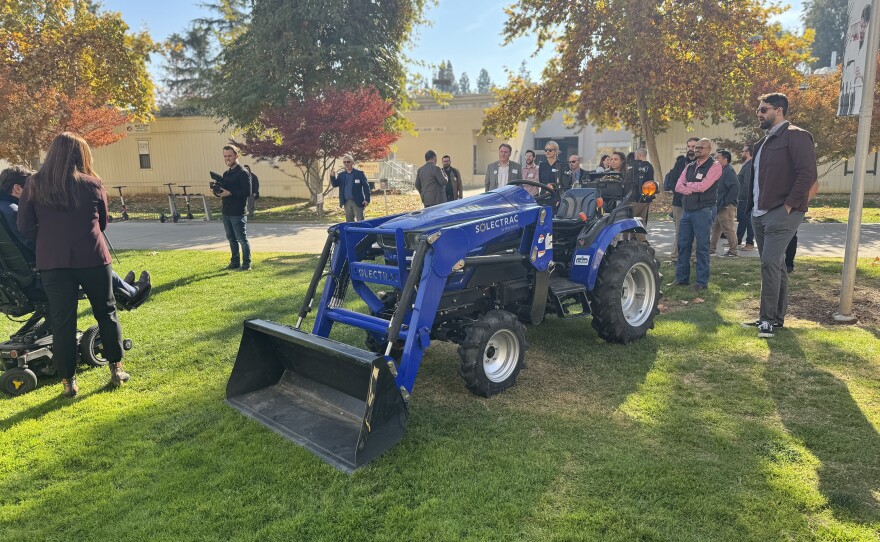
[698, 184]
[576, 174]
[354, 190]
[784, 176]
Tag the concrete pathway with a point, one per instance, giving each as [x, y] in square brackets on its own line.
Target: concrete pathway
[814, 239]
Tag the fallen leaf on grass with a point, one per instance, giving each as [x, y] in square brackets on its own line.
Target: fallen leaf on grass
[684, 301]
[746, 283]
[663, 309]
[699, 300]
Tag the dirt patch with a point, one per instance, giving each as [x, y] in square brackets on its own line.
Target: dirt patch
[818, 304]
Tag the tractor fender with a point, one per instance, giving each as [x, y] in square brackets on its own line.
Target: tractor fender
[586, 260]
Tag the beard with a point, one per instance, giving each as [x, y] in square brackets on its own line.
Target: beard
[766, 124]
[691, 155]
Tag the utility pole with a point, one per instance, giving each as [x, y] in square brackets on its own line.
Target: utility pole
[857, 197]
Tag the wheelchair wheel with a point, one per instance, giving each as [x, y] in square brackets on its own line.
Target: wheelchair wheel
[91, 351]
[18, 381]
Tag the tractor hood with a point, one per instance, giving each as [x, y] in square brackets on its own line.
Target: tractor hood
[499, 201]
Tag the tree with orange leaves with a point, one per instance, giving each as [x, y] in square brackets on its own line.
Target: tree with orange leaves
[642, 64]
[64, 65]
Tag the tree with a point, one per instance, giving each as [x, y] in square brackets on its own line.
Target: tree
[464, 84]
[524, 72]
[484, 83]
[829, 19]
[445, 79]
[640, 64]
[312, 134]
[294, 50]
[192, 58]
[66, 65]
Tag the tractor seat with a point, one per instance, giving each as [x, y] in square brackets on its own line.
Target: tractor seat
[576, 201]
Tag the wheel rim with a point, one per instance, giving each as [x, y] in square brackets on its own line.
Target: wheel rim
[98, 350]
[501, 355]
[638, 294]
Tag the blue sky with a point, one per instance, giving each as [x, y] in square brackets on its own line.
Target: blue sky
[465, 32]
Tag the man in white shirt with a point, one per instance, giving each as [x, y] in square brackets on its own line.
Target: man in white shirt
[504, 170]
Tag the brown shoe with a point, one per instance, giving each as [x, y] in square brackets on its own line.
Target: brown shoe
[118, 376]
[70, 386]
[748, 246]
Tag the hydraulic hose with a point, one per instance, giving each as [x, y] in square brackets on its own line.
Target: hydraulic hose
[316, 277]
[406, 295]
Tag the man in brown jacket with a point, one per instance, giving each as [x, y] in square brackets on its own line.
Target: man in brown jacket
[783, 174]
[430, 181]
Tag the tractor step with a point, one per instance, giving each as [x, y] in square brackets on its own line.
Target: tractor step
[569, 298]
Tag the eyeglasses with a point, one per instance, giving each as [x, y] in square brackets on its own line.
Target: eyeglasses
[549, 150]
[701, 148]
[762, 110]
[572, 161]
[346, 161]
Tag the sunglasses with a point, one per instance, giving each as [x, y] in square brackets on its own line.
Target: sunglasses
[572, 161]
[762, 110]
[346, 161]
[549, 150]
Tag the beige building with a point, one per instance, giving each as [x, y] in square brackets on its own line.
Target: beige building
[183, 150]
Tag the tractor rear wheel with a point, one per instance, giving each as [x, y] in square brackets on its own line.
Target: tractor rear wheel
[625, 296]
[493, 353]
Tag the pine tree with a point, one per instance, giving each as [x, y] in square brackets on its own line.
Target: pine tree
[484, 83]
[464, 84]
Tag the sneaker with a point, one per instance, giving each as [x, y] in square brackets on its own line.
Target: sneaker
[118, 376]
[678, 283]
[70, 386]
[729, 254]
[756, 323]
[233, 265]
[765, 330]
[129, 278]
[697, 287]
[245, 267]
[748, 246]
[789, 268]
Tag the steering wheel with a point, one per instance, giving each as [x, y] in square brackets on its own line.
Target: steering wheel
[551, 197]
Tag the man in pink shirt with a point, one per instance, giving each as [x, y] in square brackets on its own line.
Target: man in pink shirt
[698, 186]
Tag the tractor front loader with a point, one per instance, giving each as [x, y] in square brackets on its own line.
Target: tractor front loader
[470, 272]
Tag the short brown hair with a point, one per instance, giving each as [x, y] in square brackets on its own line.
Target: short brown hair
[232, 148]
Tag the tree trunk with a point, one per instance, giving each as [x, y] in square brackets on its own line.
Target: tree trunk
[648, 131]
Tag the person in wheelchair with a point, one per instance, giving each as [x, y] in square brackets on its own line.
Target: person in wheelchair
[128, 293]
[63, 209]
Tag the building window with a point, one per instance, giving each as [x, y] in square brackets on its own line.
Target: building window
[144, 154]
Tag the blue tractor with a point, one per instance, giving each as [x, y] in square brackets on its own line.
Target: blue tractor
[470, 271]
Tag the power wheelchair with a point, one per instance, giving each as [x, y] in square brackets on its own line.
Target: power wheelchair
[28, 352]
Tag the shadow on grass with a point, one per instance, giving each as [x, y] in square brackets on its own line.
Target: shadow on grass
[817, 408]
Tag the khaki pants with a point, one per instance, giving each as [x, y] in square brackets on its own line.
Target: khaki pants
[724, 222]
[353, 211]
[676, 218]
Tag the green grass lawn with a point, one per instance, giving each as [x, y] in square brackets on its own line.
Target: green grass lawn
[700, 432]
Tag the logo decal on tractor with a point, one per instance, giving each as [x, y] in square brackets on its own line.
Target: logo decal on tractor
[376, 274]
[507, 221]
[582, 259]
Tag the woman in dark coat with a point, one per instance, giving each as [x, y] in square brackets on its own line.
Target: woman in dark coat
[63, 208]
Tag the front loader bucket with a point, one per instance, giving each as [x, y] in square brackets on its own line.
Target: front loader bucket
[340, 402]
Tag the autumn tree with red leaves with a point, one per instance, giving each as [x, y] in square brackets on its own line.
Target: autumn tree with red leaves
[66, 65]
[313, 133]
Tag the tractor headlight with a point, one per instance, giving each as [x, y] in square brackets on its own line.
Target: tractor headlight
[649, 188]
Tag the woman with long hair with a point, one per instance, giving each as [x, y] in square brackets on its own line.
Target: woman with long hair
[63, 208]
[603, 163]
[616, 163]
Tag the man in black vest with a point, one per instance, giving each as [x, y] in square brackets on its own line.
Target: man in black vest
[669, 185]
[698, 186]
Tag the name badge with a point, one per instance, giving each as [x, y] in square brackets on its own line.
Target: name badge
[357, 181]
[495, 172]
[515, 171]
[553, 170]
[699, 176]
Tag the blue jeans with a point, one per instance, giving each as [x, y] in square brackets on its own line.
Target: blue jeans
[119, 284]
[694, 225]
[236, 232]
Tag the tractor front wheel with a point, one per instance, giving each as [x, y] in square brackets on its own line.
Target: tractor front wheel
[493, 353]
[625, 296]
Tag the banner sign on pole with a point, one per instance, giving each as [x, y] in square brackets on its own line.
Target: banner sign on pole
[855, 58]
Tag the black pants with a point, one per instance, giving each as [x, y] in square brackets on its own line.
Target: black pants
[62, 290]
